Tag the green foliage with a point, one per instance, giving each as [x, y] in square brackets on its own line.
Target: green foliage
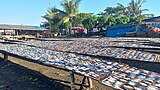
[57, 19]
[90, 22]
[102, 20]
[117, 11]
[111, 21]
[65, 25]
[71, 11]
[77, 21]
[53, 16]
[45, 25]
[122, 20]
[135, 8]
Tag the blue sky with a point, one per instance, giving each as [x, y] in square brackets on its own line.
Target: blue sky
[29, 12]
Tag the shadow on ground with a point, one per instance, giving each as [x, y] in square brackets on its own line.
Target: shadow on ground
[16, 77]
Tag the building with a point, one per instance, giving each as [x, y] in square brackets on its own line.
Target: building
[155, 20]
[15, 31]
[153, 26]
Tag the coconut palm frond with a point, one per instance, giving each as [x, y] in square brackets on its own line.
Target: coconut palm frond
[65, 5]
[135, 8]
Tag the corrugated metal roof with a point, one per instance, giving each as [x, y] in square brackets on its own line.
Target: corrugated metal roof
[40, 28]
[17, 27]
[152, 20]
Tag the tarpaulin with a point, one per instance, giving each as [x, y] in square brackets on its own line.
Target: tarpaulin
[119, 32]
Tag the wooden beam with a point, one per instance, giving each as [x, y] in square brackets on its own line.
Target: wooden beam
[90, 82]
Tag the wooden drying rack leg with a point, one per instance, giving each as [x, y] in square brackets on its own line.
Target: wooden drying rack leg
[5, 56]
[72, 81]
[90, 85]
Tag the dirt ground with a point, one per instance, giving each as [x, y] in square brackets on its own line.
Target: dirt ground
[17, 74]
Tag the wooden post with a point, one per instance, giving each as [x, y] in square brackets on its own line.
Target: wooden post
[90, 82]
[4, 32]
[82, 84]
[71, 80]
[6, 56]
[119, 61]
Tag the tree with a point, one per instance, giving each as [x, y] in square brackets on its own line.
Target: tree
[121, 10]
[111, 21]
[53, 16]
[70, 11]
[135, 8]
[45, 25]
[102, 20]
[77, 21]
[50, 15]
[117, 11]
[110, 10]
[90, 22]
[123, 14]
[58, 19]
[122, 20]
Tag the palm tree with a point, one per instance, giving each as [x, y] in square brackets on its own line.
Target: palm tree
[50, 15]
[53, 16]
[70, 11]
[135, 8]
[121, 10]
[56, 17]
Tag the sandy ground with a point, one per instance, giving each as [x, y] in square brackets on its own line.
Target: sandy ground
[17, 74]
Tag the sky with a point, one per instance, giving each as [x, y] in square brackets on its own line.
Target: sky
[29, 12]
